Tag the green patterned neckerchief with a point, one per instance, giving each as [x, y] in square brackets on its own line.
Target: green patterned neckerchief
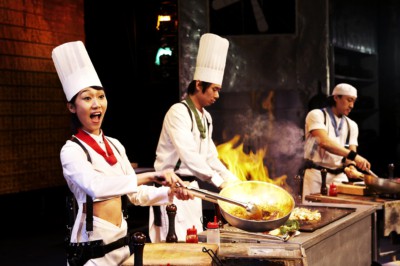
[196, 115]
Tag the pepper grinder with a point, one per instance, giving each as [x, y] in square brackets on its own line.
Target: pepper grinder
[391, 171]
[324, 189]
[171, 212]
[299, 180]
[139, 240]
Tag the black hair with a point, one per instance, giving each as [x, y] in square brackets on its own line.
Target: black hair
[192, 86]
[331, 100]
[75, 122]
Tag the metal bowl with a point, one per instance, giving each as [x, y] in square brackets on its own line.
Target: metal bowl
[267, 196]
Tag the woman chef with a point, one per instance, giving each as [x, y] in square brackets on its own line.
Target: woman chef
[97, 166]
[186, 144]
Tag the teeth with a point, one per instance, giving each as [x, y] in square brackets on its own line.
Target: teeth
[93, 115]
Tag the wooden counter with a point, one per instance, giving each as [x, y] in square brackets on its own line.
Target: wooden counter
[348, 199]
[175, 254]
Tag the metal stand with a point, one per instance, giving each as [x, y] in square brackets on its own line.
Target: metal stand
[213, 256]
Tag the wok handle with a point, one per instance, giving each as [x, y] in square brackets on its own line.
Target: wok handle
[200, 193]
[204, 197]
[371, 173]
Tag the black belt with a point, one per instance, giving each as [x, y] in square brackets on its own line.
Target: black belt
[80, 253]
[311, 164]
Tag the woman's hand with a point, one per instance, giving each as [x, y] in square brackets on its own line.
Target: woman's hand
[177, 185]
[180, 193]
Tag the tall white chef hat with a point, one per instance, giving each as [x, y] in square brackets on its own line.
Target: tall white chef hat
[74, 68]
[211, 58]
[345, 89]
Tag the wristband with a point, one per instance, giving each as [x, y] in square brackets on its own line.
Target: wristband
[352, 155]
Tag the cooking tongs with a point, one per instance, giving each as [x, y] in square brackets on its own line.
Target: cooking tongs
[257, 236]
[213, 197]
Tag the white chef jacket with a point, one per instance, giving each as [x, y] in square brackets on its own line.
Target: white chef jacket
[315, 120]
[101, 180]
[180, 139]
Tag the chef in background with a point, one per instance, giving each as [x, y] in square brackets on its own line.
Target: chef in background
[96, 167]
[331, 140]
[186, 143]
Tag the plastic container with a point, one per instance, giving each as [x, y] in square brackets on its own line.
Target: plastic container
[213, 234]
[191, 235]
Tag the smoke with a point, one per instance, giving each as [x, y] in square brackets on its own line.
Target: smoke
[282, 141]
[287, 140]
[281, 138]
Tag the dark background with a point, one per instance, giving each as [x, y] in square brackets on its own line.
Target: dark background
[122, 41]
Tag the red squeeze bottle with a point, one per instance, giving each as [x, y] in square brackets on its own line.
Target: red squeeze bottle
[191, 236]
[332, 190]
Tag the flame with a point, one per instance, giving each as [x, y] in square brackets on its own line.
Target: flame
[247, 166]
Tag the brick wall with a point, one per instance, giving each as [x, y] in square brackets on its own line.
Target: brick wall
[34, 122]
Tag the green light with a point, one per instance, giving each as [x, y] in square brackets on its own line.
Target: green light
[162, 51]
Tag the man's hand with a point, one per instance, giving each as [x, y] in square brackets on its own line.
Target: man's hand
[362, 163]
[352, 172]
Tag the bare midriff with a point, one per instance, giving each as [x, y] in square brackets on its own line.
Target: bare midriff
[109, 210]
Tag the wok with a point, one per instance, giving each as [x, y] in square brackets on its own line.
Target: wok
[268, 197]
[381, 185]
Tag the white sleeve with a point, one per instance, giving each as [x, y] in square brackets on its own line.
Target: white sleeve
[209, 169]
[353, 133]
[96, 178]
[220, 170]
[315, 119]
[150, 195]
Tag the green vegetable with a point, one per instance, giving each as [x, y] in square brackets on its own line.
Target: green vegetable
[290, 226]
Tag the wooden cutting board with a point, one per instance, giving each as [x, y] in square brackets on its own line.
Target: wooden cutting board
[175, 254]
[352, 189]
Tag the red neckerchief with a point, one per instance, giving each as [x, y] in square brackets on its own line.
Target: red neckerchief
[85, 137]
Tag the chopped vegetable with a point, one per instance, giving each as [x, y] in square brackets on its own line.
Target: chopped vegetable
[291, 225]
[305, 214]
